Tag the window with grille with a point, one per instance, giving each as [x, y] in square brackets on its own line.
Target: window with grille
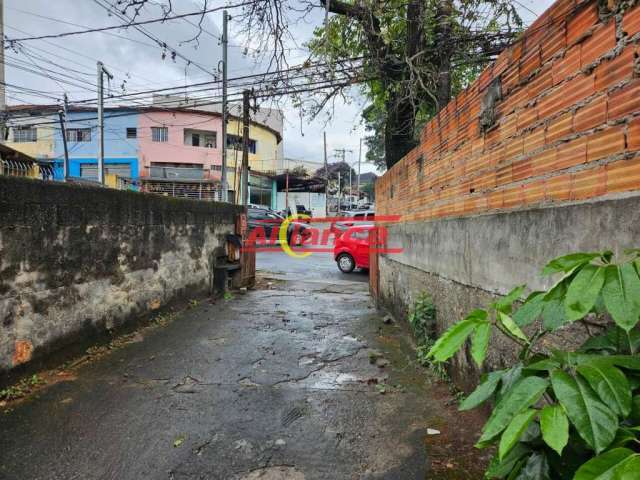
[25, 134]
[78, 135]
[159, 134]
[132, 133]
[236, 141]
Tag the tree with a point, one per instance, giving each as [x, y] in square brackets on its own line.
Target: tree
[414, 54]
[298, 171]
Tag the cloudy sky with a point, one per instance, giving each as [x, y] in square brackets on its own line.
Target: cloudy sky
[52, 67]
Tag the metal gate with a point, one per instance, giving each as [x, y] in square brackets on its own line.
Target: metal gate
[90, 170]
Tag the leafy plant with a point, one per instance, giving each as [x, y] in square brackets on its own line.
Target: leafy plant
[561, 414]
[422, 318]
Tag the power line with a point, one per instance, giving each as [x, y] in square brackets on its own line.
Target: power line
[130, 24]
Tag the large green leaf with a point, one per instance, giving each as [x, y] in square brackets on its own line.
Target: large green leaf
[480, 342]
[506, 302]
[629, 362]
[508, 323]
[451, 341]
[514, 431]
[500, 469]
[536, 468]
[610, 384]
[555, 427]
[509, 378]
[545, 365]
[553, 311]
[595, 422]
[483, 392]
[530, 311]
[583, 292]
[523, 395]
[630, 470]
[567, 263]
[621, 294]
[606, 466]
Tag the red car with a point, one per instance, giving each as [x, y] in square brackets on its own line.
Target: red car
[351, 248]
[351, 219]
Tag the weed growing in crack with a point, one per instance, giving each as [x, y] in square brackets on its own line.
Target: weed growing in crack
[422, 319]
[21, 389]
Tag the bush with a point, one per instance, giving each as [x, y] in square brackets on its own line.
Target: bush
[561, 414]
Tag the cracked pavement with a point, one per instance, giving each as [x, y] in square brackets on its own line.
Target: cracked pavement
[274, 384]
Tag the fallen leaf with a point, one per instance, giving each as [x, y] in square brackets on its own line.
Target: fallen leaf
[179, 441]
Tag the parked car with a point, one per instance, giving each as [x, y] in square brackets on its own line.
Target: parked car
[351, 249]
[300, 210]
[270, 221]
[351, 219]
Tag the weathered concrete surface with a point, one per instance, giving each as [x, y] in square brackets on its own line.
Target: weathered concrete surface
[275, 384]
[466, 263]
[76, 261]
[496, 252]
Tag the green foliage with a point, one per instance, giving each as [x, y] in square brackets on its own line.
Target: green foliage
[21, 389]
[422, 318]
[561, 414]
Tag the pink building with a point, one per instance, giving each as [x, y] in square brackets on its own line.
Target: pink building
[180, 145]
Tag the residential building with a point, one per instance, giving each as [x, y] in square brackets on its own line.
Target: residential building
[120, 144]
[33, 131]
[173, 151]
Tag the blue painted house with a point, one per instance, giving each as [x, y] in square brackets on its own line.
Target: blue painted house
[120, 143]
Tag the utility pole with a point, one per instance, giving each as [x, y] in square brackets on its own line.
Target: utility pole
[326, 164]
[3, 99]
[65, 166]
[359, 161]
[339, 192]
[326, 174]
[342, 153]
[245, 147]
[225, 42]
[101, 73]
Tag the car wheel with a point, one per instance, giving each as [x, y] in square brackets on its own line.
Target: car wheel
[346, 263]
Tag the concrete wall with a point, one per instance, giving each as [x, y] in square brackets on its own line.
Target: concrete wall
[465, 263]
[77, 261]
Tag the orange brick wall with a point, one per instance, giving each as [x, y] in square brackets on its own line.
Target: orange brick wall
[567, 129]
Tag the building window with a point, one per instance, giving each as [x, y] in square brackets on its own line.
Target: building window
[200, 138]
[25, 134]
[235, 142]
[159, 134]
[132, 133]
[78, 135]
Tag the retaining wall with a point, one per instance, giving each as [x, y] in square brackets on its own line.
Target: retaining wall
[77, 261]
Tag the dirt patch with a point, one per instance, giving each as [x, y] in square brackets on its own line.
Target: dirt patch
[452, 452]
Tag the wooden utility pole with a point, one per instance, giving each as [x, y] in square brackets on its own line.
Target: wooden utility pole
[245, 147]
